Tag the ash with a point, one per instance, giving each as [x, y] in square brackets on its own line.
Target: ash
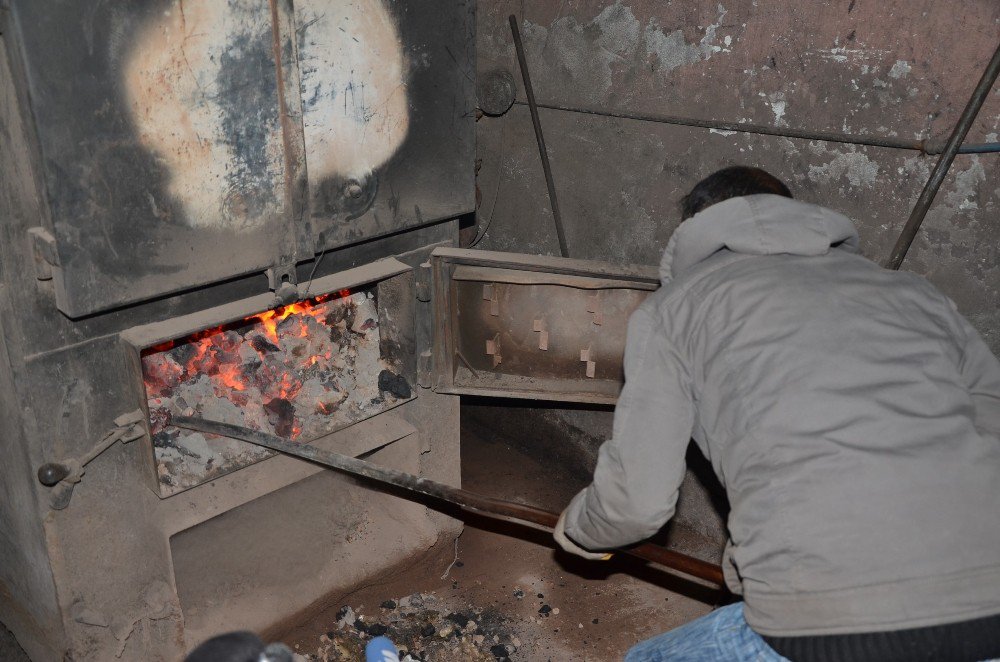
[424, 628]
[300, 373]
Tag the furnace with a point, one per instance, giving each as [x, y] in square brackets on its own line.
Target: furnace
[300, 371]
[212, 215]
[221, 209]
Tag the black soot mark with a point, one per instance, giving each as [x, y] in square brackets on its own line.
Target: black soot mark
[247, 97]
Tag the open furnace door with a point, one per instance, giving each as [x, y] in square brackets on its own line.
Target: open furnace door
[527, 326]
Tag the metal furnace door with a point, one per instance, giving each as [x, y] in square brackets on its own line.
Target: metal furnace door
[184, 142]
[524, 326]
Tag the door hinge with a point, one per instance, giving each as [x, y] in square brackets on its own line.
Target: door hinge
[283, 280]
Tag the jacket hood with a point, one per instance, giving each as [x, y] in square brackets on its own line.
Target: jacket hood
[757, 225]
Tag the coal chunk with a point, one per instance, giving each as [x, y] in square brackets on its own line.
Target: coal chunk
[281, 413]
[388, 604]
[500, 652]
[545, 610]
[428, 630]
[262, 344]
[377, 629]
[183, 353]
[390, 382]
[458, 619]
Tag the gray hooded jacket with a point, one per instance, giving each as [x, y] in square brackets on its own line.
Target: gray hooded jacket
[852, 414]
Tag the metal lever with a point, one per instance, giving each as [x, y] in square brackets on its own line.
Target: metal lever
[52, 473]
[63, 476]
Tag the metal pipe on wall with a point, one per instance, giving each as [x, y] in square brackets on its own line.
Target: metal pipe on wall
[925, 146]
[536, 123]
[962, 127]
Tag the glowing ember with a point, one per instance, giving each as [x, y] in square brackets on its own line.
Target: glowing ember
[301, 371]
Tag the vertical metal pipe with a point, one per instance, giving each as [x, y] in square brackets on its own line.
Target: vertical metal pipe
[533, 107]
[979, 95]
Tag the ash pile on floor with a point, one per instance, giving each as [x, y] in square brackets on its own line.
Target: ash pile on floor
[423, 628]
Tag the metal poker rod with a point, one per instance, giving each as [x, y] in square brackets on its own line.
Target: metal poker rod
[464, 499]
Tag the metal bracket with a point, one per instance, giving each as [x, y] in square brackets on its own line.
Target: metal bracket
[586, 356]
[538, 326]
[43, 248]
[283, 280]
[490, 294]
[493, 349]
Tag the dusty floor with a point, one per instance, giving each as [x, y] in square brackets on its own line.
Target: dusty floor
[595, 611]
[507, 574]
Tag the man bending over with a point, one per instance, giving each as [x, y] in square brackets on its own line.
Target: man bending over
[850, 412]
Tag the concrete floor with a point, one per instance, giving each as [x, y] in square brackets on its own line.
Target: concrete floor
[603, 607]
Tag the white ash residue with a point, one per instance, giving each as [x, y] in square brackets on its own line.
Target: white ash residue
[297, 373]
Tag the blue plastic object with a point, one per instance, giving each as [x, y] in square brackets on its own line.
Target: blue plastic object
[381, 649]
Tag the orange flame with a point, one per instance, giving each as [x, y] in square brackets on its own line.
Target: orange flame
[271, 318]
[230, 376]
[216, 354]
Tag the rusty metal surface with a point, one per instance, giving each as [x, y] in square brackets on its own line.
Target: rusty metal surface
[296, 241]
[188, 141]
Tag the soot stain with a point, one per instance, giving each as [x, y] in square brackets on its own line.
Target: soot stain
[247, 85]
[312, 93]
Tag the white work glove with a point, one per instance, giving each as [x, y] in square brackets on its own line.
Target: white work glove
[568, 545]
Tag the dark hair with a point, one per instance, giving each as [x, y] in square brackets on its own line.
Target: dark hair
[731, 182]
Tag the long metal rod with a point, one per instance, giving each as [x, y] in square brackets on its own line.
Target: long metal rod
[958, 134]
[539, 138]
[453, 495]
[925, 146]
[979, 148]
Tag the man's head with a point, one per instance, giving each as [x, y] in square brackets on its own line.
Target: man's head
[731, 182]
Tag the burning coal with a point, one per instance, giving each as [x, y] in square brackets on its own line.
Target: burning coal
[298, 372]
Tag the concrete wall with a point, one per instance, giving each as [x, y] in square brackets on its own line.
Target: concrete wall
[898, 68]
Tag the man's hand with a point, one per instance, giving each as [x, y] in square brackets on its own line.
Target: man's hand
[568, 545]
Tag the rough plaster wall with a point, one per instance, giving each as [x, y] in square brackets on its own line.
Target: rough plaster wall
[822, 66]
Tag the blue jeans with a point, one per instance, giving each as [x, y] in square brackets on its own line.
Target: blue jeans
[721, 635]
